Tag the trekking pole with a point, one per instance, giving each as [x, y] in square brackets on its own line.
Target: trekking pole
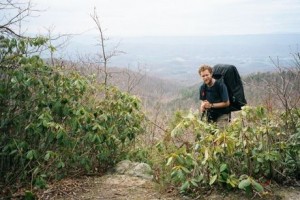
[202, 115]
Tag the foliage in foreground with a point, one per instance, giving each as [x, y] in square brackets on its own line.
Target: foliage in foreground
[56, 123]
[256, 148]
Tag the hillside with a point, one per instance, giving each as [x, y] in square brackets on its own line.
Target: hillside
[151, 89]
[175, 95]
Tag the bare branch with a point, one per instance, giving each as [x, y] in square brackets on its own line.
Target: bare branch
[104, 55]
[102, 39]
[18, 12]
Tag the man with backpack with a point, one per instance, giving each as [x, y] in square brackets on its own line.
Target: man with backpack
[214, 97]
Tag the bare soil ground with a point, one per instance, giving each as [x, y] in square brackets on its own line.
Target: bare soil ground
[119, 187]
[123, 187]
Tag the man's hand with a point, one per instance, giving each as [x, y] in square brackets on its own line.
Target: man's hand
[205, 105]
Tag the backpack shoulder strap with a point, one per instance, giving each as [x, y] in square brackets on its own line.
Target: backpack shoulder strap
[218, 84]
[202, 92]
[227, 109]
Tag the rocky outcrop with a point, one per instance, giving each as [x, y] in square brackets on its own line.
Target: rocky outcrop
[136, 169]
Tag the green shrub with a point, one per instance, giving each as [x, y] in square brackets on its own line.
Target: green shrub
[56, 123]
[253, 149]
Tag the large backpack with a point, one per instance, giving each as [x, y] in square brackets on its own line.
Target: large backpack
[230, 76]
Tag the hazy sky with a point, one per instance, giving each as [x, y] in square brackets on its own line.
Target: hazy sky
[169, 17]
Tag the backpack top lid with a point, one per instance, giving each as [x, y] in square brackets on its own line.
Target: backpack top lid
[227, 72]
[230, 76]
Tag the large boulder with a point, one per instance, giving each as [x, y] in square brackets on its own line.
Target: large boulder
[136, 169]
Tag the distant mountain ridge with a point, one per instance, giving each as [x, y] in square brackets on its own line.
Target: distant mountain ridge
[178, 58]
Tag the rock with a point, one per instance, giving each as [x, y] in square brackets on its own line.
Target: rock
[123, 166]
[136, 169]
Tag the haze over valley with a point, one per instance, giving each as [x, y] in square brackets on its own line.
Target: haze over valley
[178, 58]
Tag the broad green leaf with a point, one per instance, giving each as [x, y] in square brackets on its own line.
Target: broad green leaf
[213, 179]
[59, 135]
[180, 159]
[190, 160]
[43, 175]
[47, 156]
[180, 175]
[244, 184]
[194, 183]
[185, 186]
[169, 160]
[223, 167]
[61, 164]
[174, 174]
[258, 187]
[206, 155]
[231, 182]
[185, 170]
[13, 152]
[199, 178]
[30, 154]
[261, 160]
[36, 171]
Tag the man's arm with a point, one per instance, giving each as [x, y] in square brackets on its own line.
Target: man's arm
[219, 105]
[207, 105]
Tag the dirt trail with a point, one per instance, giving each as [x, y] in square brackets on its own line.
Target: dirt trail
[123, 187]
[111, 186]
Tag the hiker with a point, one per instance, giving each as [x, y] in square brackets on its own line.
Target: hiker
[214, 98]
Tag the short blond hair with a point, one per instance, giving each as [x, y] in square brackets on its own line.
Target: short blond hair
[204, 67]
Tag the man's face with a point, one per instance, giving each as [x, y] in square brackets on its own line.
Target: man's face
[206, 76]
